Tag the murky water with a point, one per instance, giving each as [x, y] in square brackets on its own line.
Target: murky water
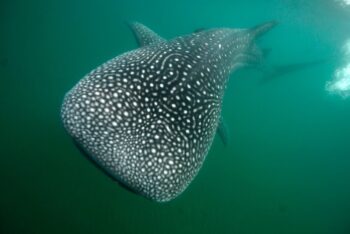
[285, 169]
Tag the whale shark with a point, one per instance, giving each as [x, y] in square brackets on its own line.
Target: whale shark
[148, 117]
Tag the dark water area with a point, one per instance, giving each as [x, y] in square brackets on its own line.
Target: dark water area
[285, 169]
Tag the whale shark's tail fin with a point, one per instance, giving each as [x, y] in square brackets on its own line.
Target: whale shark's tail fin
[261, 29]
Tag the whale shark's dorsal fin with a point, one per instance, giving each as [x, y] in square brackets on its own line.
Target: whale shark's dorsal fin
[144, 35]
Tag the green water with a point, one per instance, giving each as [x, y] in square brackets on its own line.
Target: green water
[286, 169]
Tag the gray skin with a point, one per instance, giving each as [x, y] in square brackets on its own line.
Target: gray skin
[148, 117]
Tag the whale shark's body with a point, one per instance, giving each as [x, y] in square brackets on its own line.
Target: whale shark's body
[148, 117]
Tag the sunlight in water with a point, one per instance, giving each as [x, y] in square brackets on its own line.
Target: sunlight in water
[346, 49]
[341, 83]
[344, 2]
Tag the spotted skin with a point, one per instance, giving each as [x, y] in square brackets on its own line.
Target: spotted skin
[148, 117]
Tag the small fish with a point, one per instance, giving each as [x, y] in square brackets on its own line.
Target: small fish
[149, 116]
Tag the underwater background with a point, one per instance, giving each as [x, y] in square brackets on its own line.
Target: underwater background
[286, 168]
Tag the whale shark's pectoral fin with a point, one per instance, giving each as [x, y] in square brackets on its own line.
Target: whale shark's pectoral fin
[144, 35]
[222, 131]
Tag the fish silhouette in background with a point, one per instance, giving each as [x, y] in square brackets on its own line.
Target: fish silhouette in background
[149, 116]
[270, 73]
